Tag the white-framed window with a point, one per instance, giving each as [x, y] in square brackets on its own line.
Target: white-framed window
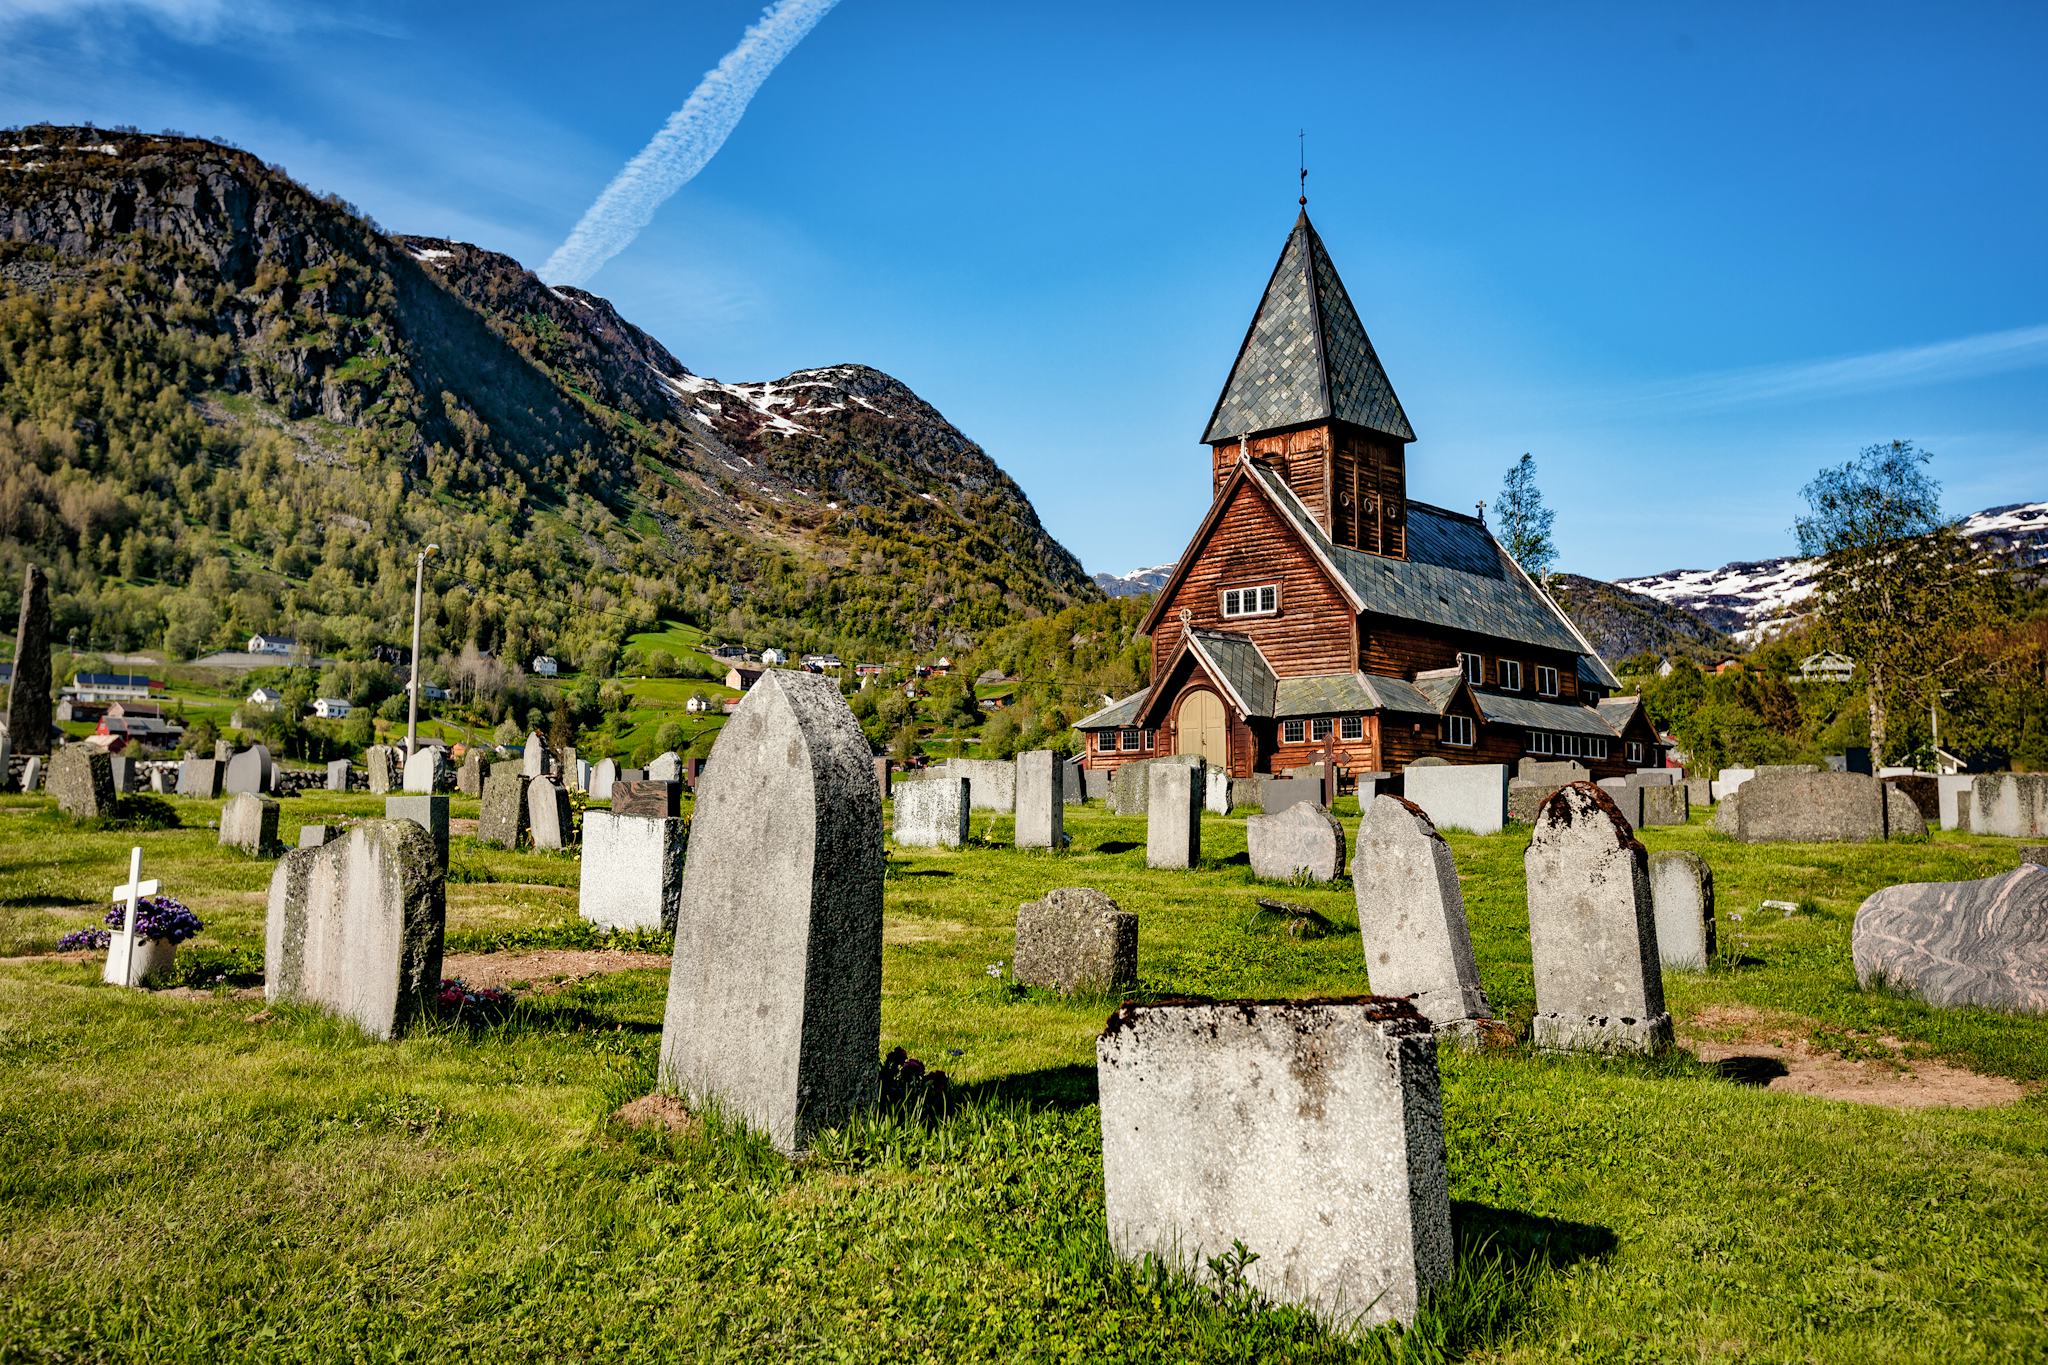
[1635, 751]
[1319, 729]
[1546, 681]
[1511, 675]
[1263, 600]
[1293, 731]
[1106, 742]
[1475, 668]
[1458, 731]
[1134, 740]
[1351, 727]
[1567, 746]
[1539, 741]
[1596, 747]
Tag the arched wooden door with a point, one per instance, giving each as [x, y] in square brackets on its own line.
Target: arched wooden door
[1200, 728]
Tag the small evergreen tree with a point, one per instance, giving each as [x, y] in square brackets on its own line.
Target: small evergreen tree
[1524, 529]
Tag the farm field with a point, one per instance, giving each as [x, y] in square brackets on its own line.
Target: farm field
[188, 1175]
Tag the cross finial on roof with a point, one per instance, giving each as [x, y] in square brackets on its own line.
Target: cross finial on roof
[1301, 145]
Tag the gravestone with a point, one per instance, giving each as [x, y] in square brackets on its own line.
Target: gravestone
[502, 818]
[1073, 782]
[1128, 787]
[631, 874]
[992, 782]
[1076, 940]
[385, 774]
[1095, 784]
[222, 752]
[573, 769]
[1670, 805]
[6, 760]
[82, 780]
[1411, 918]
[248, 772]
[933, 812]
[2011, 804]
[1981, 943]
[199, 777]
[667, 767]
[1655, 777]
[1277, 794]
[337, 775]
[314, 836]
[469, 778]
[882, 777]
[583, 775]
[30, 710]
[1813, 807]
[355, 926]
[161, 780]
[1216, 792]
[1041, 806]
[2034, 853]
[32, 775]
[430, 813]
[249, 822]
[1627, 798]
[535, 756]
[549, 819]
[1173, 815]
[1922, 789]
[693, 772]
[1559, 772]
[423, 772]
[1699, 793]
[1467, 796]
[653, 799]
[1592, 929]
[1302, 841]
[1953, 791]
[632, 775]
[603, 774]
[1309, 1131]
[775, 995]
[122, 769]
[1682, 897]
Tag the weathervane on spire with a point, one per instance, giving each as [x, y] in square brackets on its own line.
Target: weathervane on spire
[1301, 142]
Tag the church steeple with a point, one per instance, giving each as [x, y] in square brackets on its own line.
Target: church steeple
[1308, 397]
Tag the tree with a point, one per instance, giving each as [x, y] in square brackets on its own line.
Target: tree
[1898, 590]
[1524, 520]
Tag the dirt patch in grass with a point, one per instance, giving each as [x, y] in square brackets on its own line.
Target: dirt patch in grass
[658, 1111]
[546, 969]
[462, 826]
[1783, 1052]
[896, 931]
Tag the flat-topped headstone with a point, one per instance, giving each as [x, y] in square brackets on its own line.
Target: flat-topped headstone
[631, 874]
[337, 775]
[632, 774]
[1592, 929]
[1073, 782]
[1729, 781]
[573, 770]
[1040, 800]
[1277, 794]
[1173, 815]
[1666, 805]
[1129, 789]
[31, 711]
[355, 926]
[1699, 793]
[314, 836]
[249, 822]
[469, 778]
[653, 798]
[1627, 797]
[1076, 940]
[1981, 943]
[1216, 792]
[1558, 772]
[1788, 804]
[775, 995]
[1467, 796]
[992, 782]
[430, 813]
[383, 762]
[2011, 804]
[550, 819]
[502, 817]
[933, 812]
[603, 774]
[1303, 841]
[1952, 790]
[199, 777]
[1309, 1131]
[423, 772]
[82, 781]
[882, 777]
[534, 758]
[666, 767]
[1411, 917]
[122, 769]
[583, 775]
[1655, 777]
[248, 772]
[1682, 895]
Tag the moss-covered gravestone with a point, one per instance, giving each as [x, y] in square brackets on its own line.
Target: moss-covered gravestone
[82, 780]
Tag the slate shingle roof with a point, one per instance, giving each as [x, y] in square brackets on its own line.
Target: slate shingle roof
[1236, 662]
[1117, 714]
[1533, 714]
[1306, 357]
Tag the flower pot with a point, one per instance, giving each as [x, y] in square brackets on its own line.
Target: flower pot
[151, 957]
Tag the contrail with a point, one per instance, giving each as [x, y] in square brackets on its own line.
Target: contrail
[686, 143]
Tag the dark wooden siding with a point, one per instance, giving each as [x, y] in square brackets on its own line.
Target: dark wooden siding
[1402, 649]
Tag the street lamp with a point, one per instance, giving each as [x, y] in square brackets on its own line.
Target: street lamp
[412, 701]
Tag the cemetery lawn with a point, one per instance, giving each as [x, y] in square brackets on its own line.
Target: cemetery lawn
[186, 1175]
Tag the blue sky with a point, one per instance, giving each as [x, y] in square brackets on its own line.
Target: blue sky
[1683, 254]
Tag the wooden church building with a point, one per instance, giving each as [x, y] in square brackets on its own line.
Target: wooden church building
[1319, 609]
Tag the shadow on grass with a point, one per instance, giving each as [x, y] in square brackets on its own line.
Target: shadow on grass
[1747, 1070]
[1501, 1255]
[1526, 1241]
[1065, 1088]
[927, 872]
[1114, 846]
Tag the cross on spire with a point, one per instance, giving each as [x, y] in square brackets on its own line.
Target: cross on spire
[1301, 147]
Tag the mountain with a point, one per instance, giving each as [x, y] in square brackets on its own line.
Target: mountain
[233, 405]
[1136, 583]
[1746, 599]
[1620, 623]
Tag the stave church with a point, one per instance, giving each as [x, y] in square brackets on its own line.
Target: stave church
[1320, 612]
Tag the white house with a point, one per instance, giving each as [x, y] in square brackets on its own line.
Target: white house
[331, 708]
[544, 665]
[1827, 666]
[821, 663]
[774, 658]
[265, 697]
[697, 704]
[271, 644]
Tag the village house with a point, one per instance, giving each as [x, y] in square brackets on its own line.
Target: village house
[101, 687]
[271, 644]
[1320, 610]
[265, 698]
[1827, 666]
[740, 677]
[821, 663]
[773, 658]
[544, 666]
[332, 708]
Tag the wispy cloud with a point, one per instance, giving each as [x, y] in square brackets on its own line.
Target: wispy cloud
[197, 21]
[1990, 353]
[685, 145]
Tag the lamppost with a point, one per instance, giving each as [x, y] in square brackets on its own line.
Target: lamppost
[412, 701]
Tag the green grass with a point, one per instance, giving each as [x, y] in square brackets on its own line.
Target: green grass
[185, 1177]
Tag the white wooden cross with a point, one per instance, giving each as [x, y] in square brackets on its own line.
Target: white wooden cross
[135, 890]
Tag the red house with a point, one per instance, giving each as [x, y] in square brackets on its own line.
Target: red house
[1318, 605]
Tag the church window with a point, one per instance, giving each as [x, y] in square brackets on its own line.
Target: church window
[1458, 731]
[1511, 675]
[1351, 727]
[1319, 729]
[1292, 732]
[1263, 600]
[1475, 668]
[1539, 741]
[1546, 681]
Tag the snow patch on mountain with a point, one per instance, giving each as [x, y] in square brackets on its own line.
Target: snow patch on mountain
[1136, 583]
